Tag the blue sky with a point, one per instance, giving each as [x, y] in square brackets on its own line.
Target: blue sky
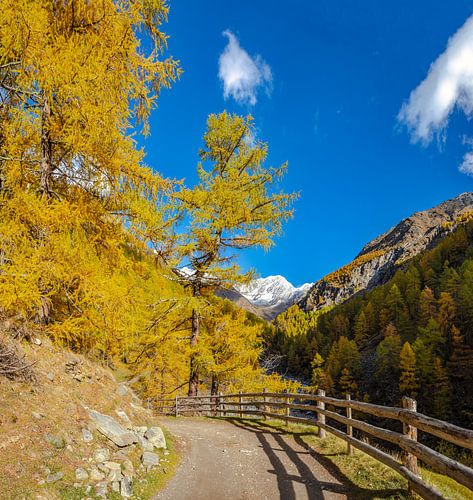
[340, 73]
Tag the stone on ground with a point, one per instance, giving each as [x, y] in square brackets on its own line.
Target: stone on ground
[101, 455]
[156, 437]
[126, 487]
[81, 474]
[112, 429]
[149, 460]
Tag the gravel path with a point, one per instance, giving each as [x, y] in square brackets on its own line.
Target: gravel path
[236, 460]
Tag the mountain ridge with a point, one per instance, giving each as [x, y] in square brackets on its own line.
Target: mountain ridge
[381, 257]
[266, 297]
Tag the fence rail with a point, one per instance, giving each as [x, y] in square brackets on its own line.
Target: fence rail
[260, 404]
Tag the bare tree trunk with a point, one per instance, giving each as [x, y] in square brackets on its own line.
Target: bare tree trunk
[46, 150]
[194, 375]
[215, 386]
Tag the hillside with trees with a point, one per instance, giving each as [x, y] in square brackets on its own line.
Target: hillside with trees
[92, 239]
[411, 336]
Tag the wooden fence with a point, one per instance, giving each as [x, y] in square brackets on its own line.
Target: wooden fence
[279, 406]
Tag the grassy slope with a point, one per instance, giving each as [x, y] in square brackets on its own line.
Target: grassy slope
[25, 453]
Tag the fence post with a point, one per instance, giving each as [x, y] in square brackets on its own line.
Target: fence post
[320, 417]
[240, 400]
[177, 410]
[220, 405]
[265, 399]
[410, 460]
[349, 427]
[287, 411]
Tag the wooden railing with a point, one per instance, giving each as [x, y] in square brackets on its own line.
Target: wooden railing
[279, 406]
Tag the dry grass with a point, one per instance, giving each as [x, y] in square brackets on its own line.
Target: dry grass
[59, 407]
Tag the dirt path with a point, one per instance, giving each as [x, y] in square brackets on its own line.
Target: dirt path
[241, 460]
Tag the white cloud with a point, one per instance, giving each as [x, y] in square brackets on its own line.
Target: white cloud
[449, 83]
[241, 74]
[467, 165]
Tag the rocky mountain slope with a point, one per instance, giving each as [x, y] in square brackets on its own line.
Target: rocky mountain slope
[69, 430]
[381, 257]
[266, 297]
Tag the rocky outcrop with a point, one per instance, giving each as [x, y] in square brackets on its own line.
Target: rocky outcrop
[381, 258]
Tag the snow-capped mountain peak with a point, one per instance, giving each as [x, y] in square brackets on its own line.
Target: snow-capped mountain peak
[272, 291]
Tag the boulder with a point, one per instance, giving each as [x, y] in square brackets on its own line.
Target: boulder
[112, 430]
[126, 487]
[156, 437]
[141, 430]
[81, 474]
[149, 460]
[114, 475]
[87, 436]
[96, 475]
[101, 455]
[57, 441]
[101, 489]
[52, 478]
[144, 443]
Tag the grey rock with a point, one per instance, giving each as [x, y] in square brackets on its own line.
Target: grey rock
[103, 468]
[141, 430]
[123, 416]
[81, 474]
[50, 376]
[101, 489]
[112, 465]
[126, 489]
[144, 443]
[116, 486]
[57, 441]
[122, 390]
[87, 436]
[53, 478]
[36, 415]
[156, 437]
[112, 429]
[101, 455]
[150, 460]
[128, 469]
[115, 475]
[95, 475]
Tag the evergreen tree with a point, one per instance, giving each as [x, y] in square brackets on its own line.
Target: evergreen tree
[441, 391]
[317, 370]
[408, 384]
[347, 383]
[387, 363]
[427, 306]
[361, 329]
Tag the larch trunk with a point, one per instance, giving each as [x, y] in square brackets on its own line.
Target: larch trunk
[194, 375]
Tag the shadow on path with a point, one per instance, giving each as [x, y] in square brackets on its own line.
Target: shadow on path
[274, 440]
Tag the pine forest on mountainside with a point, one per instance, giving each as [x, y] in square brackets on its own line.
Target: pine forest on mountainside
[411, 336]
